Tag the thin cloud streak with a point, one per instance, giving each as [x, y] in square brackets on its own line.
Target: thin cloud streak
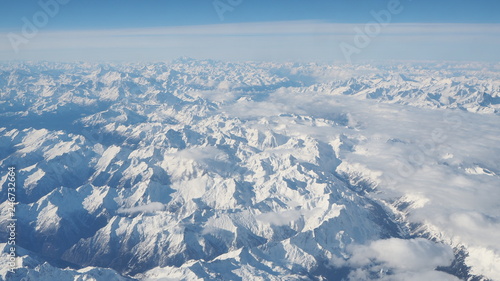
[293, 40]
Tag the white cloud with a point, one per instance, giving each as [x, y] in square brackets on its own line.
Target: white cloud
[399, 259]
[206, 154]
[280, 218]
[416, 254]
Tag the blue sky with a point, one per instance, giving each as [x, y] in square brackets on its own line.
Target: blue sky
[79, 14]
[157, 19]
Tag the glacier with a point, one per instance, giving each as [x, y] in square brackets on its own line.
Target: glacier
[212, 170]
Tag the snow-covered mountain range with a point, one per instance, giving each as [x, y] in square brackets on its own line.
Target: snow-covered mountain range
[208, 170]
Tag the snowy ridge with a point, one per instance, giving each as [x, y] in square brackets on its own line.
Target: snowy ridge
[204, 170]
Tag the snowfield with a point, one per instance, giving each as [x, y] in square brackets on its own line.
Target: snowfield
[208, 170]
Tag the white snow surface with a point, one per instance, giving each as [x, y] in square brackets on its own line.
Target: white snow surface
[207, 170]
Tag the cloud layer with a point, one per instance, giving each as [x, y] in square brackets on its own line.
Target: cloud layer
[295, 40]
[398, 259]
